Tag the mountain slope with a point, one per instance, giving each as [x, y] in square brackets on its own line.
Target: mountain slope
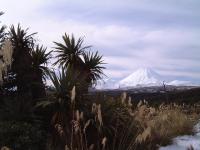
[142, 77]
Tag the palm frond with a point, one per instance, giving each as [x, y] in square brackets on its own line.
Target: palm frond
[69, 52]
[93, 66]
[2, 33]
[20, 38]
[40, 59]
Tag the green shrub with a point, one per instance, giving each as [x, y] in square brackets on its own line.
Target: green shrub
[21, 136]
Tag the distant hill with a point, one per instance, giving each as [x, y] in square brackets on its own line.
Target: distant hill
[143, 77]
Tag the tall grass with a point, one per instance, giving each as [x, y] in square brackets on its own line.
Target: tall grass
[118, 124]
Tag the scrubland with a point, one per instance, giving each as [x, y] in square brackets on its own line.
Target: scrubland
[121, 124]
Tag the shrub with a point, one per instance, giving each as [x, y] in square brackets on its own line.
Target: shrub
[159, 126]
[21, 136]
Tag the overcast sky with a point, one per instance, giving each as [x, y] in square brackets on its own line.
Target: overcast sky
[160, 34]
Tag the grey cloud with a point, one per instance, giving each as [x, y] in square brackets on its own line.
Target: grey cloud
[148, 13]
[130, 34]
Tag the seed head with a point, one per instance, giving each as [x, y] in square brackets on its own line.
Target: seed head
[73, 94]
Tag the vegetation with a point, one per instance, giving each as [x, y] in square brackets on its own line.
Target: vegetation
[22, 44]
[119, 124]
[39, 70]
[18, 135]
[65, 116]
[2, 38]
[2, 33]
[74, 57]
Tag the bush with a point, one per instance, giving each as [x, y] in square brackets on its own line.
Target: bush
[119, 124]
[21, 136]
[159, 126]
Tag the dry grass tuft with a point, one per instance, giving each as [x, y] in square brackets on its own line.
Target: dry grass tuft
[5, 148]
[117, 124]
[160, 125]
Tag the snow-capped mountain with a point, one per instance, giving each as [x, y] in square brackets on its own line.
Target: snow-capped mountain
[141, 77]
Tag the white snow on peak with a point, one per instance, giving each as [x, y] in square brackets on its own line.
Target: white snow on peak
[142, 76]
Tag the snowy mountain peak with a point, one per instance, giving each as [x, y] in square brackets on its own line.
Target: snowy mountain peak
[142, 76]
[148, 72]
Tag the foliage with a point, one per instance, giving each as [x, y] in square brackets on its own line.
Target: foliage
[40, 60]
[2, 39]
[159, 126]
[119, 124]
[93, 68]
[22, 44]
[59, 101]
[39, 70]
[69, 53]
[21, 136]
[73, 56]
[2, 33]
[16, 108]
[64, 81]
[29, 64]
[74, 122]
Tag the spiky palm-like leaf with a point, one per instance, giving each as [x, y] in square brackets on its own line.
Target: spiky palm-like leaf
[2, 34]
[69, 53]
[39, 71]
[93, 69]
[22, 44]
[64, 81]
[40, 60]
[20, 38]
